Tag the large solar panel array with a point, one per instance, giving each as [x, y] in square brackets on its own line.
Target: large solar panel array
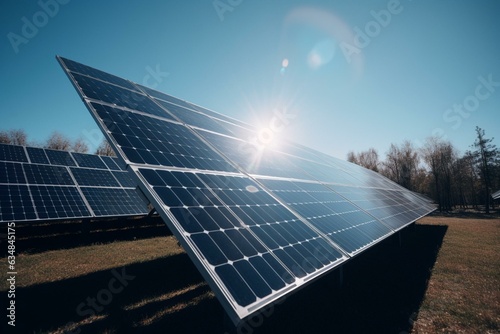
[42, 184]
[258, 222]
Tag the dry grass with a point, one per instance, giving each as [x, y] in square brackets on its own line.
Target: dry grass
[463, 294]
[457, 293]
[63, 264]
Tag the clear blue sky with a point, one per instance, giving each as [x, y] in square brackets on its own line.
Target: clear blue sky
[399, 79]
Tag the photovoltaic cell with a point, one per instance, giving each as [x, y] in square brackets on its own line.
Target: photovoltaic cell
[12, 153]
[121, 165]
[54, 202]
[61, 158]
[344, 223]
[234, 223]
[194, 119]
[110, 163]
[37, 155]
[165, 97]
[113, 201]
[185, 108]
[395, 209]
[93, 177]
[255, 160]
[80, 68]
[258, 222]
[98, 90]
[11, 173]
[152, 141]
[124, 179]
[44, 174]
[15, 203]
[89, 160]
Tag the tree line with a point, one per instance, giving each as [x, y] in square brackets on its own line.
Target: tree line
[56, 141]
[438, 170]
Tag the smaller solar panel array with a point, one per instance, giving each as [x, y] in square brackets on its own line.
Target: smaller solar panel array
[43, 184]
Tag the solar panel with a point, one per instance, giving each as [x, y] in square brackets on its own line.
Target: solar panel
[114, 201]
[51, 186]
[11, 173]
[12, 153]
[55, 202]
[124, 179]
[37, 155]
[80, 68]
[43, 174]
[89, 160]
[110, 163]
[258, 222]
[92, 177]
[61, 158]
[153, 141]
[16, 203]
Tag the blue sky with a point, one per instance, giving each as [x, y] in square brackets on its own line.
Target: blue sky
[358, 74]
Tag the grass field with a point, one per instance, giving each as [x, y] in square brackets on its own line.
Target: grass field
[445, 277]
[463, 295]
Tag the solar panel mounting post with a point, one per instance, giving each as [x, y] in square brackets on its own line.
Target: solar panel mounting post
[228, 324]
[85, 227]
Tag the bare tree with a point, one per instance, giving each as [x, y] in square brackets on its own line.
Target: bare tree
[465, 185]
[401, 164]
[440, 157]
[4, 137]
[422, 182]
[80, 146]
[352, 157]
[105, 149]
[14, 137]
[368, 159]
[58, 141]
[485, 157]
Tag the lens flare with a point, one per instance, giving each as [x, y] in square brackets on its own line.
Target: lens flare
[322, 53]
[284, 65]
[338, 35]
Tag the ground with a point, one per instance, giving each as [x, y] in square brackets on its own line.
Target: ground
[440, 275]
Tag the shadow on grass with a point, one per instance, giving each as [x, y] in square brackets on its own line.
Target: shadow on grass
[37, 238]
[383, 289]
